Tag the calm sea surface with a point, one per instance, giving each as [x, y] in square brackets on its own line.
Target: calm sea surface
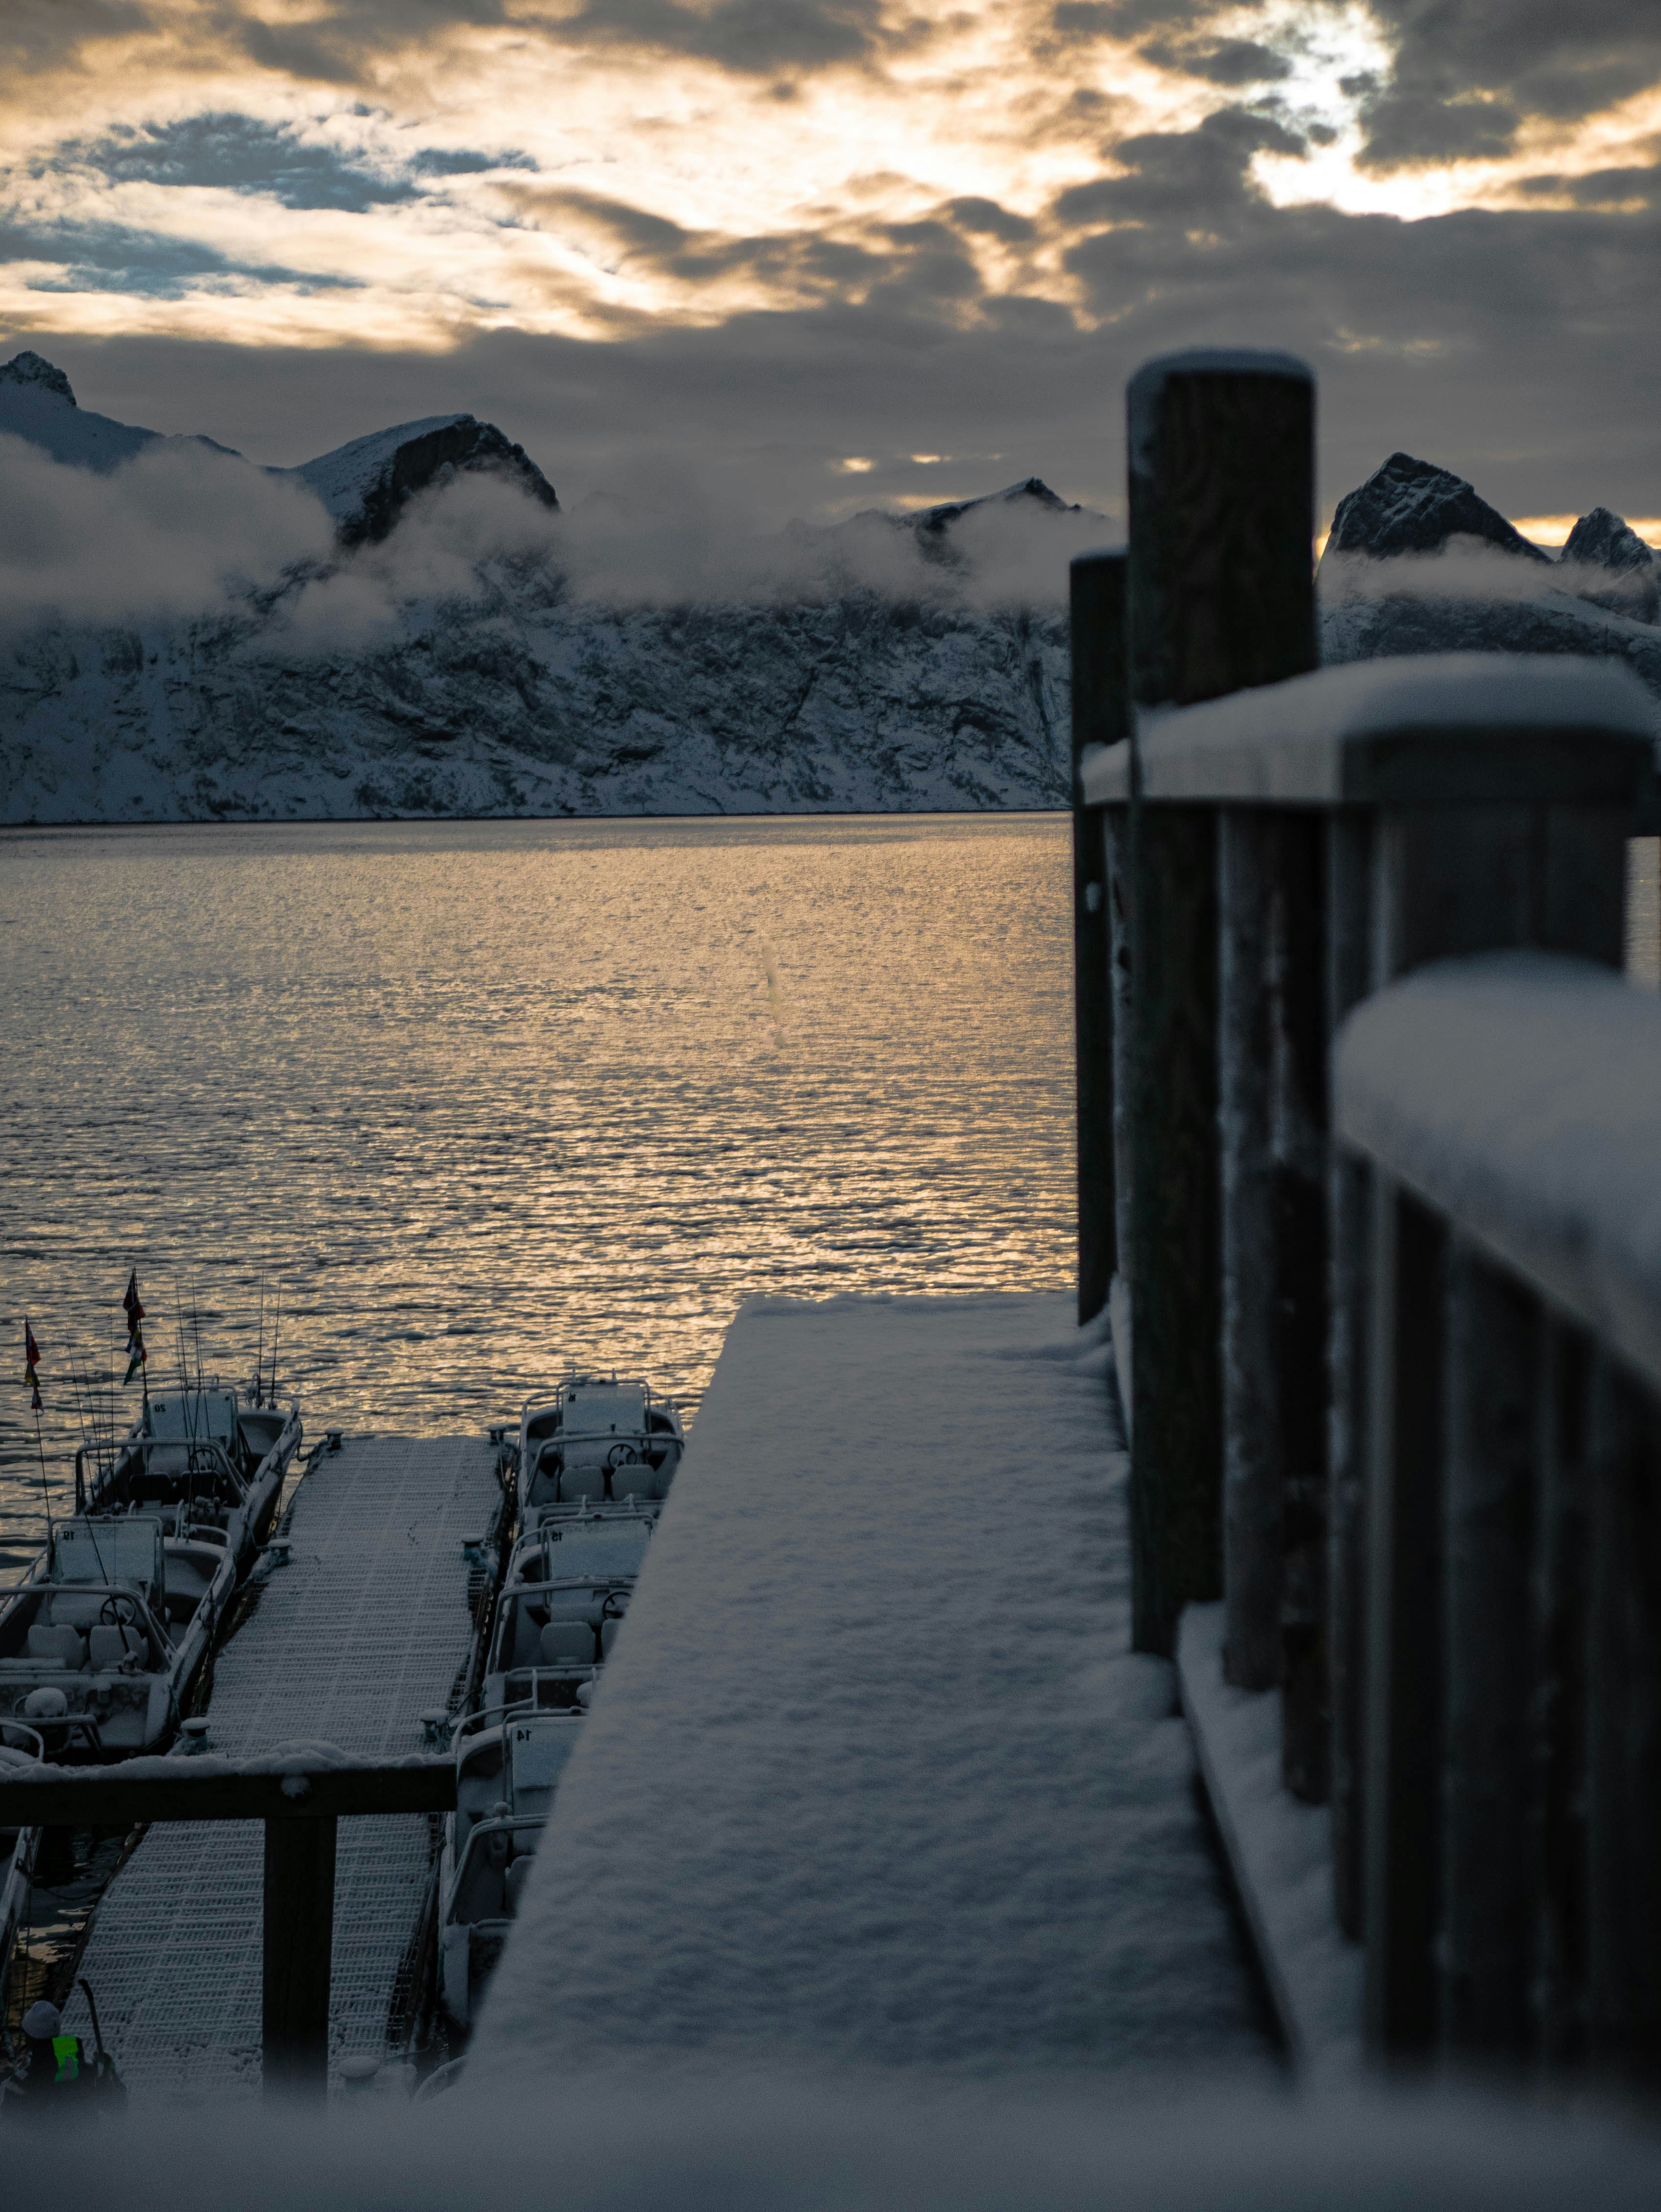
[477, 1099]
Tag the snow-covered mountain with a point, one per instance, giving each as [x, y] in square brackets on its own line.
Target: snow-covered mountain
[411, 625]
[492, 685]
[1417, 561]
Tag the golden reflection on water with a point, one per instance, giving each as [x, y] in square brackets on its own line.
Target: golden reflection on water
[486, 1097]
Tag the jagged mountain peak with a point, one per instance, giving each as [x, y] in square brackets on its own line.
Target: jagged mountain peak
[366, 483]
[30, 370]
[1606, 540]
[1033, 488]
[1410, 506]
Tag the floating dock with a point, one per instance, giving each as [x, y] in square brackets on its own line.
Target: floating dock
[367, 1627]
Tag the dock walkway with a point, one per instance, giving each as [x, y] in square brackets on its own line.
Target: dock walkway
[873, 1776]
[365, 1629]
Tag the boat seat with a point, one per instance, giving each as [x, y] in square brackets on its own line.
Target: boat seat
[108, 1647]
[513, 1885]
[608, 1636]
[581, 1482]
[566, 1643]
[69, 1611]
[61, 1646]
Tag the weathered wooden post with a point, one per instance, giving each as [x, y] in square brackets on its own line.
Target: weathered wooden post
[1496, 1357]
[1221, 597]
[299, 1865]
[1350, 979]
[1100, 716]
[1623, 1732]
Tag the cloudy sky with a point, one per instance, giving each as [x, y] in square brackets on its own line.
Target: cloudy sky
[829, 253]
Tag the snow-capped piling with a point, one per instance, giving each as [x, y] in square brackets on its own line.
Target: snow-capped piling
[1221, 596]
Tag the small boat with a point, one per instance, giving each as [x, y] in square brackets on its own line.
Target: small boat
[507, 1771]
[96, 1651]
[561, 1610]
[205, 1459]
[598, 1437]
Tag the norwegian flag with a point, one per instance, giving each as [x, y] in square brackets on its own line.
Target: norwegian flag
[137, 1356]
[31, 1368]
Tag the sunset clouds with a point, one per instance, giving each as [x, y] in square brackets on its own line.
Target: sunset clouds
[780, 227]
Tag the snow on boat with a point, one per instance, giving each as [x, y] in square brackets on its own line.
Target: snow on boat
[206, 1461]
[96, 1650]
[561, 1607]
[598, 1437]
[507, 1771]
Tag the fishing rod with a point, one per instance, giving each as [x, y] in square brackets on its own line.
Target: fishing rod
[276, 1325]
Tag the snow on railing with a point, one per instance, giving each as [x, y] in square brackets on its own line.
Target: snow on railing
[1261, 846]
[1507, 1111]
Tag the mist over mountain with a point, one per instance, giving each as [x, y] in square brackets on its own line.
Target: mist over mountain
[412, 625]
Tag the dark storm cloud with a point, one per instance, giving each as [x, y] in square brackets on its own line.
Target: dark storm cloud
[42, 34]
[923, 260]
[987, 219]
[1600, 188]
[755, 37]
[1188, 175]
[1228, 61]
[1467, 71]
[340, 44]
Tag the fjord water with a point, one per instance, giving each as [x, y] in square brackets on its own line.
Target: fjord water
[478, 1099]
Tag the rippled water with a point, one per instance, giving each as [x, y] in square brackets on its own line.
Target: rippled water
[478, 1099]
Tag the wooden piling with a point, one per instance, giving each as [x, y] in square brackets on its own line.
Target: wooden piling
[1623, 1744]
[1495, 1353]
[1100, 716]
[299, 1863]
[1404, 1679]
[1349, 967]
[1221, 596]
[1557, 1824]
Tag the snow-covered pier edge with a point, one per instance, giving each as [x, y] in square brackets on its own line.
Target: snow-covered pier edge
[1371, 1114]
[875, 1779]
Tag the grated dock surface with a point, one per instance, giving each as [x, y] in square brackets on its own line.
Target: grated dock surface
[367, 1627]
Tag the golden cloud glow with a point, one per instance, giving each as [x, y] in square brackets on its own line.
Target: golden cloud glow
[621, 185]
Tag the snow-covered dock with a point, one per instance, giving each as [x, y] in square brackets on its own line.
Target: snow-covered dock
[364, 1629]
[873, 1776]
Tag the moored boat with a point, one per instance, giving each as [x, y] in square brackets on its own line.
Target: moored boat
[507, 1771]
[596, 1438]
[96, 1651]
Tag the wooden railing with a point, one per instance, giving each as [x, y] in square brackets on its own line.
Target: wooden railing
[299, 1805]
[1262, 847]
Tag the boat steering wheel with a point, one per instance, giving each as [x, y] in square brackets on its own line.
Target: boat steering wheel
[614, 1605]
[622, 1456]
[110, 1615]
